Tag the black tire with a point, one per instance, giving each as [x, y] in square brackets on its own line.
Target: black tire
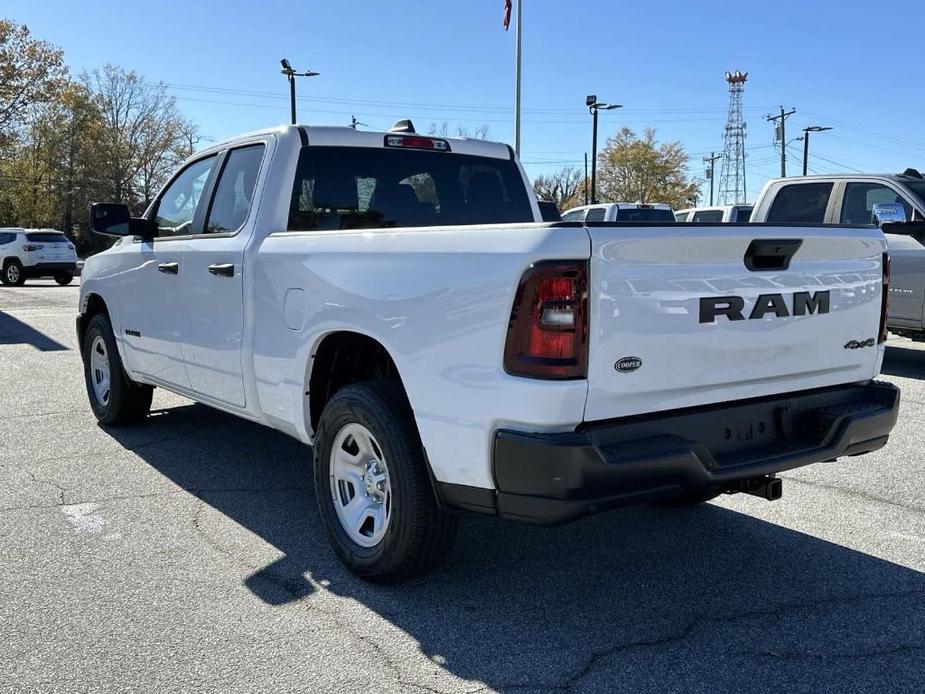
[128, 402]
[693, 499]
[419, 535]
[13, 274]
[64, 279]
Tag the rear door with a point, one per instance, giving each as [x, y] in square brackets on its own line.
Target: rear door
[213, 281]
[706, 328]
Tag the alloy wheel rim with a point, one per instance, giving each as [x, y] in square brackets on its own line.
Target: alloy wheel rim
[99, 370]
[360, 485]
[12, 273]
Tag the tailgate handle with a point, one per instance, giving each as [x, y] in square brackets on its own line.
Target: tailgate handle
[770, 254]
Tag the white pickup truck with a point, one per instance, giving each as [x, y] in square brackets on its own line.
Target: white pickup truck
[396, 301]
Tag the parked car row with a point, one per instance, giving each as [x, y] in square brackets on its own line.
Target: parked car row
[33, 253]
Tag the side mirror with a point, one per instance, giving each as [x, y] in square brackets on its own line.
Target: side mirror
[887, 213]
[114, 219]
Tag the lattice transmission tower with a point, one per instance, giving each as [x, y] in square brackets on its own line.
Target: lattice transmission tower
[732, 177]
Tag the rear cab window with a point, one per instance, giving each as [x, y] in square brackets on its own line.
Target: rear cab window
[800, 203]
[371, 188]
[743, 214]
[644, 214]
[46, 237]
[574, 216]
[711, 216]
[596, 214]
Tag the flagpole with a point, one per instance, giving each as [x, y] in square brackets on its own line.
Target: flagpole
[517, 82]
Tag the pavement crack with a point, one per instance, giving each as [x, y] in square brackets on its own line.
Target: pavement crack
[687, 630]
[850, 655]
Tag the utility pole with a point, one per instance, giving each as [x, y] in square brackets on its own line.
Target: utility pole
[593, 107]
[354, 122]
[781, 131]
[586, 178]
[711, 162]
[806, 132]
[291, 74]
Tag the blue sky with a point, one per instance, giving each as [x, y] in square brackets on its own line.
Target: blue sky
[440, 61]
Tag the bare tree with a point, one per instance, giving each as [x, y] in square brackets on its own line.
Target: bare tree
[443, 130]
[143, 136]
[564, 187]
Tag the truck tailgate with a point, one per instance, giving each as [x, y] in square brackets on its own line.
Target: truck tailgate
[677, 319]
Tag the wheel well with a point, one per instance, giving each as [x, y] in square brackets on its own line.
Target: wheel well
[344, 358]
[95, 304]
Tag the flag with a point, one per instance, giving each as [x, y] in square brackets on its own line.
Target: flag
[507, 14]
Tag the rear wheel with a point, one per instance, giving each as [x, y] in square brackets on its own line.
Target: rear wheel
[13, 274]
[373, 488]
[114, 398]
[64, 278]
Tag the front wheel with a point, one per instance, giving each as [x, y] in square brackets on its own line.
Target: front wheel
[113, 397]
[64, 278]
[373, 488]
[13, 274]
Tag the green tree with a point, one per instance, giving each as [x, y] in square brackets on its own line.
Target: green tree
[634, 169]
[31, 73]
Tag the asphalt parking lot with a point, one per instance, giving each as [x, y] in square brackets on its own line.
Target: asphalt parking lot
[186, 555]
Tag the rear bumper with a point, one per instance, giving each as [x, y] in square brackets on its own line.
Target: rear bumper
[50, 269]
[552, 478]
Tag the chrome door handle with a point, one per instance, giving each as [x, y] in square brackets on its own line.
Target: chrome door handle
[222, 269]
[169, 268]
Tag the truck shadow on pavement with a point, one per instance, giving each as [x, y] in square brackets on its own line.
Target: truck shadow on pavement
[904, 362]
[15, 332]
[640, 600]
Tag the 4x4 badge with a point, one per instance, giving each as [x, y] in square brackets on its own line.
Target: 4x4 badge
[855, 344]
[627, 364]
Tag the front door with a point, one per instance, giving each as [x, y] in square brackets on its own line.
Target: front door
[149, 278]
[213, 284]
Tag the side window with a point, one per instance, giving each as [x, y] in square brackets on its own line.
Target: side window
[743, 214]
[573, 216]
[860, 198]
[596, 214]
[800, 203]
[681, 216]
[235, 190]
[177, 204]
[711, 216]
[6, 238]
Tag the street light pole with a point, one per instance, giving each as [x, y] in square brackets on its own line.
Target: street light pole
[291, 74]
[806, 132]
[593, 107]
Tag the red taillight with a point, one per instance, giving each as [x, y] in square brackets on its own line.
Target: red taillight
[32, 247]
[547, 336]
[417, 142]
[885, 299]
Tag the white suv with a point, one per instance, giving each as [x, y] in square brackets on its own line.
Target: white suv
[31, 253]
